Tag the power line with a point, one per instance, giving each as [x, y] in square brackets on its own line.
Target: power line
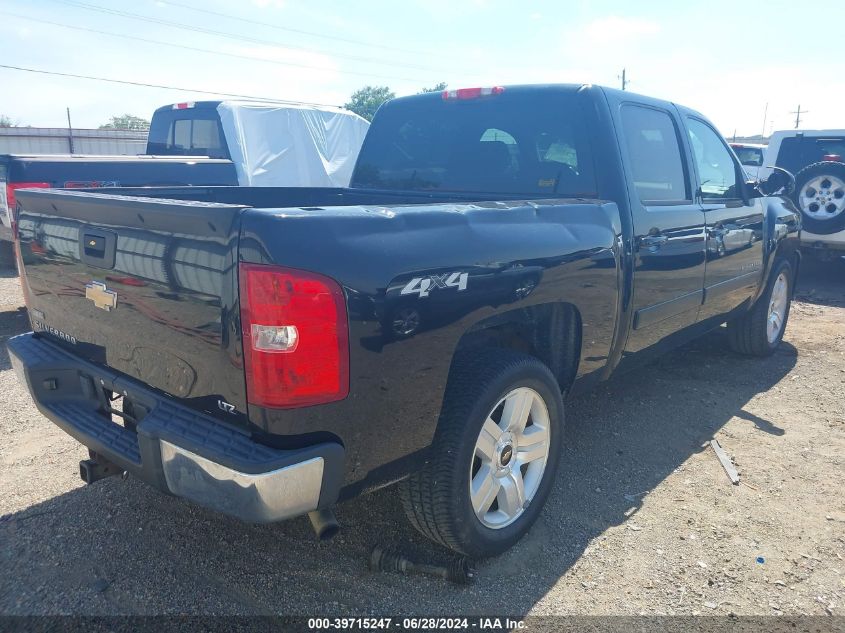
[163, 87]
[229, 16]
[200, 50]
[233, 36]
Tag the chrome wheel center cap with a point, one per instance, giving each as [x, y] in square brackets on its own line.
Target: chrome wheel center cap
[505, 449]
[507, 454]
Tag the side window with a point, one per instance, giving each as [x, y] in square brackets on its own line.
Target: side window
[655, 153]
[716, 167]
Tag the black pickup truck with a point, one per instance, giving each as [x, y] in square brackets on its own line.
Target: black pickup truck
[268, 352]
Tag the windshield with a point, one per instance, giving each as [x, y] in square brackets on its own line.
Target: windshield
[521, 144]
[749, 156]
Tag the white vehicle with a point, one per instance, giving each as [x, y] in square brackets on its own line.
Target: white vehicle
[817, 159]
[751, 156]
[271, 144]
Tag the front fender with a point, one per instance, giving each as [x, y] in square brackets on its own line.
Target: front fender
[781, 235]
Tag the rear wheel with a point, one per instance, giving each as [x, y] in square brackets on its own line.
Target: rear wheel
[759, 331]
[494, 456]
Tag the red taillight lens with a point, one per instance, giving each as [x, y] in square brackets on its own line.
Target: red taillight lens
[11, 202]
[13, 186]
[295, 337]
[832, 157]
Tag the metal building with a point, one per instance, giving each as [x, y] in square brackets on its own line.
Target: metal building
[57, 140]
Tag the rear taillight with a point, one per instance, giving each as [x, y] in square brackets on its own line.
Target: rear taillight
[295, 337]
[14, 186]
[837, 158]
[11, 202]
[471, 93]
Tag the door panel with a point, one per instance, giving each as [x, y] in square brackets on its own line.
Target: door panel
[668, 272]
[734, 225]
[669, 234]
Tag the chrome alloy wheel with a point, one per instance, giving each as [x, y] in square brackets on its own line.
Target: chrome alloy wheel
[777, 307]
[510, 458]
[823, 197]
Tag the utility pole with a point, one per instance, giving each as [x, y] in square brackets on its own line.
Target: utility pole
[625, 82]
[797, 114]
[765, 118]
[69, 131]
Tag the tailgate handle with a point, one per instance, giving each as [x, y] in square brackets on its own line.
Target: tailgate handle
[97, 248]
[95, 245]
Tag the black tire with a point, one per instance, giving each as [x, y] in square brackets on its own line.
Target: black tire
[815, 225]
[748, 334]
[436, 499]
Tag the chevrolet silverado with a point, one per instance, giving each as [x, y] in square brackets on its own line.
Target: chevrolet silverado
[270, 352]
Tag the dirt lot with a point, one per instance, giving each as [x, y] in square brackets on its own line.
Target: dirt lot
[642, 519]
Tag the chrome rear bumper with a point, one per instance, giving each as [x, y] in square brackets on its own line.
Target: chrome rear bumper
[177, 449]
[258, 498]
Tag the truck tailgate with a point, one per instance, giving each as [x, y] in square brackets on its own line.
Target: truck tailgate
[147, 287]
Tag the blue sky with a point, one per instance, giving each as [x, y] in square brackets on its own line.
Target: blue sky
[726, 59]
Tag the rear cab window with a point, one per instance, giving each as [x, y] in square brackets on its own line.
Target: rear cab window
[507, 143]
[187, 132]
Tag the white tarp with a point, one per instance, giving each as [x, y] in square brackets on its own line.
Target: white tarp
[276, 145]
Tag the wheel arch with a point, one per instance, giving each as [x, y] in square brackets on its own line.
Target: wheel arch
[551, 332]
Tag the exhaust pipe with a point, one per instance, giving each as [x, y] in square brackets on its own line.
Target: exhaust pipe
[324, 523]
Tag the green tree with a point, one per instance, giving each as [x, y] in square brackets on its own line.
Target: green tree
[436, 88]
[6, 121]
[366, 101]
[127, 122]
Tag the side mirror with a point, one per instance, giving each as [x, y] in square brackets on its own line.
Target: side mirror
[780, 182]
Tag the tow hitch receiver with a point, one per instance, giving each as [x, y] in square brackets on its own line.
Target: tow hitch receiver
[96, 468]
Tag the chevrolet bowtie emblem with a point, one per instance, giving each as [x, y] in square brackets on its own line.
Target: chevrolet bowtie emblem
[102, 297]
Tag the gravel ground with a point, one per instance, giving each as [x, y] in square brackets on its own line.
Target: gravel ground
[642, 520]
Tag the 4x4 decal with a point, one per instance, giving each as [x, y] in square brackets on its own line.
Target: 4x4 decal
[423, 286]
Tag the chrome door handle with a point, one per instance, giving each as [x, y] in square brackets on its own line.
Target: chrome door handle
[653, 242]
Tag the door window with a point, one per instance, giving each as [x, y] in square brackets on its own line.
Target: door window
[716, 167]
[655, 154]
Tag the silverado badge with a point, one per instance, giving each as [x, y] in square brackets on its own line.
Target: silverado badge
[102, 297]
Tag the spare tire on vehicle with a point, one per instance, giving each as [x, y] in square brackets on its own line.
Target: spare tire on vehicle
[820, 196]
